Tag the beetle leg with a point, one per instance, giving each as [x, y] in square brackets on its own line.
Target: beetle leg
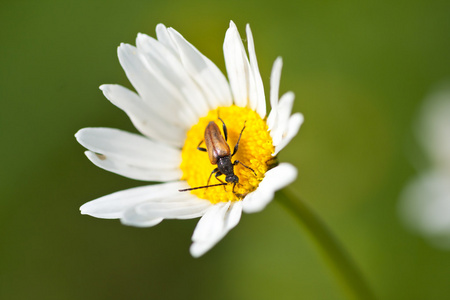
[234, 185]
[237, 144]
[216, 170]
[224, 127]
[201, 148]
[217, 177]
[238, 162]
[224, 184]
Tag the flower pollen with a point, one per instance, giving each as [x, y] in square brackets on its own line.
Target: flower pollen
[255, 151]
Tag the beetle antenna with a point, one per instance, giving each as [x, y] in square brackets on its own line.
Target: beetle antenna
[202, 187]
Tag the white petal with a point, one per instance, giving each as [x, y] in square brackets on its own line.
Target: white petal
[143, 117]
[207, 75]
[171, 73]
[130, 155]
[214, 225]
[113, 206]
[180, 206]
[281, 123]
[295, 121]
[159, 94]
[274, 91]
[260, 100]
[237, 65]
[275, 179]
[129, 148]
[163, 36]
[133, 171]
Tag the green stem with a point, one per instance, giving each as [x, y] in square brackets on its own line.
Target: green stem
[341, 263]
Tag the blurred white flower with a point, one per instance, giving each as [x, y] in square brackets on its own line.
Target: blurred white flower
[179, 92]
[425, 202]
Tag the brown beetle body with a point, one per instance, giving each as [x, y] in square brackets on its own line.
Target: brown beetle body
[219, 154]
[215, 143]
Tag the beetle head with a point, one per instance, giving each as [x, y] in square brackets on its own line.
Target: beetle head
[232, 178]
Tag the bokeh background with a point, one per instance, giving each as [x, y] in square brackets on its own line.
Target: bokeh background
[359, 71]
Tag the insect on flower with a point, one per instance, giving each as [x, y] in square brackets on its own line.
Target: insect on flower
[178, 95]
[220, 155]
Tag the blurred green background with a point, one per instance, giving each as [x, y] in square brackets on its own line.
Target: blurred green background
[359, 71]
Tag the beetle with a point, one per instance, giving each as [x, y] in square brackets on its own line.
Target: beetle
[219, 154]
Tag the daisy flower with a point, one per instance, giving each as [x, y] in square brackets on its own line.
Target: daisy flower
[178, 93]
[425, 201]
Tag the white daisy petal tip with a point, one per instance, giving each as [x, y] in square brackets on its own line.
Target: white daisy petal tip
[279, 62]
[93, 209]
[277, 178]
[256, 87]
[214, 225]
[294, 124]
[85, 209]
[160, 26]
[107, 89]
[121, 47]
[80, 134]
[199, 249]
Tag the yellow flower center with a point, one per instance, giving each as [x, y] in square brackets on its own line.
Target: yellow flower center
[254, 151]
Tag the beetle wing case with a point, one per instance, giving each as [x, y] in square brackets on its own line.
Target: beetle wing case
[215, 143]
